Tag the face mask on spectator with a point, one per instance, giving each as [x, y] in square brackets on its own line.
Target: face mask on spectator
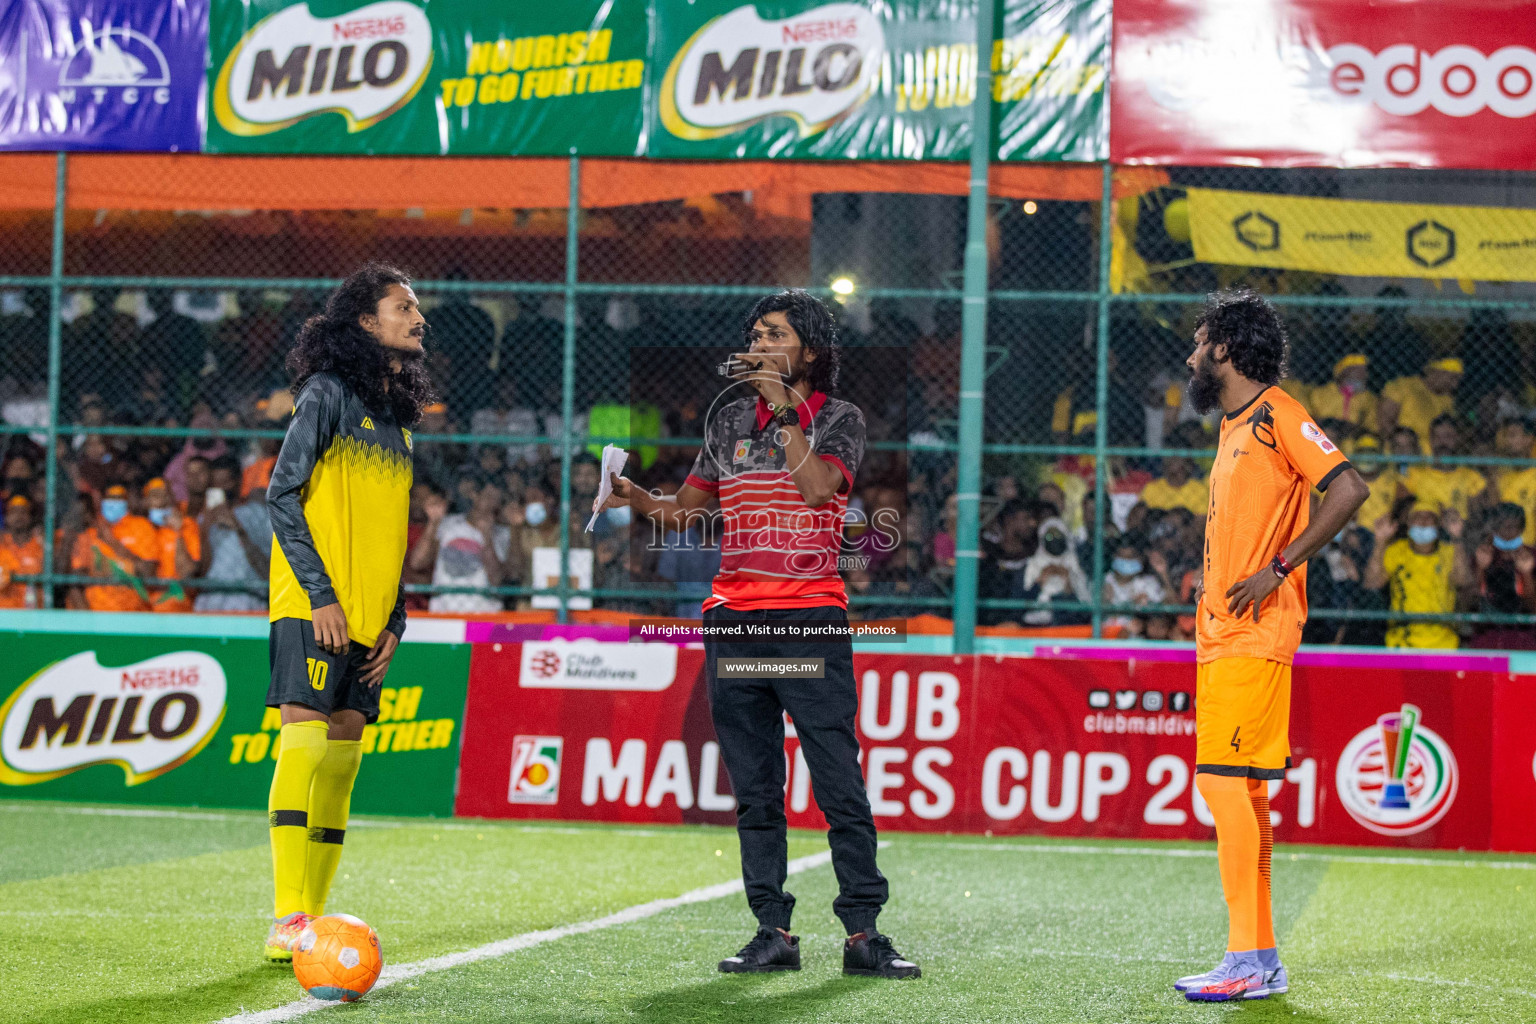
[620, 516]
[1127, 566]
[535, 513]
[158, 516]
[1511, 544]
[114, 509]
[1423, 535]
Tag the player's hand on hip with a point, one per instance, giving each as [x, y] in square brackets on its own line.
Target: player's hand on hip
[1252, 591]
[377, 663]
[330, 629]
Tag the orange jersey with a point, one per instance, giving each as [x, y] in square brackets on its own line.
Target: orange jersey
[1271, 455]
[175, 599]
[92, 556]
[26, 558]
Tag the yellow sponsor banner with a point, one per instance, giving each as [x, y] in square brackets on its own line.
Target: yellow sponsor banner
[1364, 239]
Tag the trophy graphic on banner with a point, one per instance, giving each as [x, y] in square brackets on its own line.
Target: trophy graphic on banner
[1396, 737]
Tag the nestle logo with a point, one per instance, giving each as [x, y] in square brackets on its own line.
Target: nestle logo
[159, 678]
[820, 31]
[368, 28]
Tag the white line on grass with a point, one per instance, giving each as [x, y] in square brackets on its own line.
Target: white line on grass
[491, 950]
[1280, 855]
[360, 822]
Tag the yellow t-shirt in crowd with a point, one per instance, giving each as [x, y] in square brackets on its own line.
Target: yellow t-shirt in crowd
[1327, 403]
[1519, 486]
[1195, 495]
[1297, 389]
[1418, 406]
[1449, 488]
[1379, 501]
[1423, 584]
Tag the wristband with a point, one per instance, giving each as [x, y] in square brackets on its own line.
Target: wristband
[1281, 567]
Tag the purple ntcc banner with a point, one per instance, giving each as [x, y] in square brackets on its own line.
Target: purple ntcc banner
[102, 74]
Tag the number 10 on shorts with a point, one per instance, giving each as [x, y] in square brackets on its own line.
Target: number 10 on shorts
[317, 671]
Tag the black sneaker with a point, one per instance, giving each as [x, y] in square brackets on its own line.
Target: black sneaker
[769, 950]
[873, 956]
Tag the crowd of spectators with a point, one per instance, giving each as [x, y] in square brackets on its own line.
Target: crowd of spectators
[135, 512]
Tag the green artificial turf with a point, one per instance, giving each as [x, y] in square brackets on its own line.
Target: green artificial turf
[126, 919]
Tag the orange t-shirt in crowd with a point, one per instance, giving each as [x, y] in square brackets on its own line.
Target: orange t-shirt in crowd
[140, 537]
[1270, 457]
[20, 557]
[257, 475]
[165, 600]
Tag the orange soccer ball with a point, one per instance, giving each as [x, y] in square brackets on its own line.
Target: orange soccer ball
[337, 957]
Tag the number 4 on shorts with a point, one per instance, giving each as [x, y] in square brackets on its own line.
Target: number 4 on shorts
[1236, 743]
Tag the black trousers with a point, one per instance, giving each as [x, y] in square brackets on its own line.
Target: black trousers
[749, 723]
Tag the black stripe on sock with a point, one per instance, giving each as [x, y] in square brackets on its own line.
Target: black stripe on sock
[326, 835]
[277, 819]
[1240, 771]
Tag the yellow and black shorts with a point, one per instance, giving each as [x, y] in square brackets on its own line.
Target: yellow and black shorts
[304, 674]
[1242, 718]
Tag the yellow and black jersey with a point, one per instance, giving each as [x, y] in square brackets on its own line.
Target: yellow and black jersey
[339, 500]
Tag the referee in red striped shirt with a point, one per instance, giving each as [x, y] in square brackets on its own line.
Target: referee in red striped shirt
[781, 461]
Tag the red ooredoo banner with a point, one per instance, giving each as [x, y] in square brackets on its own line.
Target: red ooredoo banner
[621, 732]
[1348, 83]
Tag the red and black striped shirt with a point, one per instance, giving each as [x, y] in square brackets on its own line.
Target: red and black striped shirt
[775, 550]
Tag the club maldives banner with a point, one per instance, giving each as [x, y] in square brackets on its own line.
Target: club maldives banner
[1345, 236]
[175, 720]
[1349, 83]
[102, 74]
[1409, 754]
[875, 81]
[710, 79]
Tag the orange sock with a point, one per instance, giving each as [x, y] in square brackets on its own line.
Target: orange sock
[1258, 797]
[1237, 855]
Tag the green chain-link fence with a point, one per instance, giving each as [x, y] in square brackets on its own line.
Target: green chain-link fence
[134, 344]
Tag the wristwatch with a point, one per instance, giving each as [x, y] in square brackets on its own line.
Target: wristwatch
[788, 416]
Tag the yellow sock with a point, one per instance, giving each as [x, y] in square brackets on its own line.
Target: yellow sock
[1237, 856]
[302, 750]
[1258, 797]
[330, 801]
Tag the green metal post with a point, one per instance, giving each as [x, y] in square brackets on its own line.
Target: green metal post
[568, 380]
[55, 370]
[1101, 401]
[973, 342]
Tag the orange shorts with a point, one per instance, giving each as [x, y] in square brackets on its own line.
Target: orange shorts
[1242, 718]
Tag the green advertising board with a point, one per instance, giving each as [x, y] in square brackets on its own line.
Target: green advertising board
[703, 79]
[451, 76]
[183, 720]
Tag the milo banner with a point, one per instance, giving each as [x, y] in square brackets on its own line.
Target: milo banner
[875, 80]
[1371, 239]
[1416, 754]
[102, 74]
[176, 720]
[707, 79]
[400, 78]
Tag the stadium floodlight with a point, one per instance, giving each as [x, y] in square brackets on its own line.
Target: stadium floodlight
[1030, 207]
[842, 286]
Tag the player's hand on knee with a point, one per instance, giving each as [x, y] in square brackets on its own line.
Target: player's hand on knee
[330, 629]
[377, 663]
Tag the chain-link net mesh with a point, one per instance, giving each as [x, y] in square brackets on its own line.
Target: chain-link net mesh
[174, 327]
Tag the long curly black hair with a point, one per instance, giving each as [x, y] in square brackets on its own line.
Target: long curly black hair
[812, 321]
[1252, 330]
[334, 342]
